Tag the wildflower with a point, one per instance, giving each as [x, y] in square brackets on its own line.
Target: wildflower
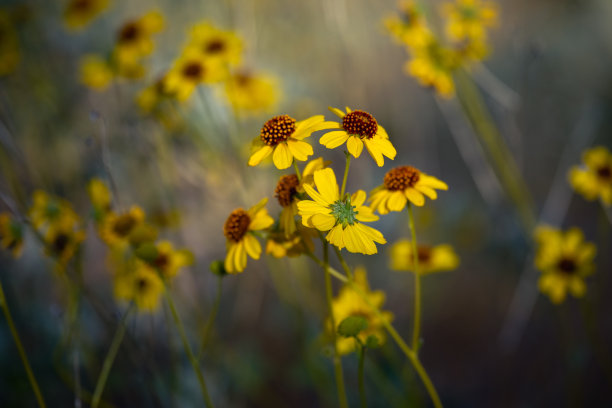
[100, 197]
[212, 42]
[50, 211]
[240, 239]
[432, 65]
[468, 19]
[431, 259]
[79, 13]
[359, 128]
[11, 234]
[62, 241]
[410, 27]
[280, 245]
[594, 179]
[152, 95]
[341, 216]
[564, 259]
[403, 184]
[134, 39]
[95, 72]
[189, 71]
[138, 282]
[283, 137]
[169, 260]
[350, 303]
[251, 94]
[116, 229]
[9, 45]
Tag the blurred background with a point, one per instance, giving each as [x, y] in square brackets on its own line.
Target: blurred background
[490, 338]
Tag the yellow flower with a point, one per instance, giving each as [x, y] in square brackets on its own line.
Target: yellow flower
[432, 65]
[100, 197]
[116, 229]
[359, 128]
[410, 27]
[51, 211]
[62, 241]
[403, 184]
[280, 245]
[468, 19]
[138, 282]
[95, 72]
[169, 260]
[565, 259]
[9, 45]
[79, 13]
[189, 71]
[212, 42]
[150, 97]
[349, 303]
[431, 259]
[134, 41]
[341, 216]
[11, 234]
[284, 137]
[252, 94]
[240, 240]
[594, 180]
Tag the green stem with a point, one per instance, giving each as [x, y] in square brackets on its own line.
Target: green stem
[362, 395]
[337, 361]
[416, 328]
[346, 170]
[187, 347]
[343, 263]
[110, 358]
[297, 171]
[20, 349]
[212, 317]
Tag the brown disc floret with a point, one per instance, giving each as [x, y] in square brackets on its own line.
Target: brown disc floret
[277, 130]
[567, 265]
[237, 225]
[400, 178]
[215, 46]
[286, 189]
[193, 70]
[360, 123]
[129, 33]
[424, 254]
[124, 224]
[605, 173]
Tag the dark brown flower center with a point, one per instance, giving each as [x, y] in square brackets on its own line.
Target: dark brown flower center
[193, 70]
[81, 5]
[124, 225]
[142, 284]
[161, 261]
[215, 46]
[277, 130]
[567, 266]
[236, 225]
[604, 173]
[60, 243]
[286, 189]
[400, 178]
[424, 253]
[360, 123]
[129, 32]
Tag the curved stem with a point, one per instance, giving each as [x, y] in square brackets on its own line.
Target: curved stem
[345, 267]
[346, 170]
[110, 357]
[416, 329]
[20, 349]
[337, 361]
[297, 171]
[362, 395]
[212, 317]
[187, 347]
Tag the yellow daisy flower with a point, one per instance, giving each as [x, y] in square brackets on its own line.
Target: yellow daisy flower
[10, 54]
[431, 259]
[468, 19]
[100, 197]
[252, 94]
[238, 230]
[169, 260]
[189, 71]
[212, 42]
[95, 72]
[433, 65]
[410, 27]
[283, 137]
[116, 229]
[138, 282]
[564, 259]
[51, 211]
[62, 242]
[594, 179]
[349, 303]
[79, 13]
[359, 128]
[343, 217]
[280, 245]
[11, 234]
[134, 41]
[403, 184]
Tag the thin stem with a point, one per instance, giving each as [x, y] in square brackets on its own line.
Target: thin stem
[343, 263]
[297, 171]
[337, 361]
[110, 357]
[20, 349]
[416, 328]
[362, 395]
[211, 317]
[346, 170]
[187, 347]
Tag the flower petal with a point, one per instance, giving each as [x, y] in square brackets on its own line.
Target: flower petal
[323, 222]
[334, 139]
[283, 158]
[397, 201]
[326, 183]
[252, 246]
[354, 145]
[300, 150]
[415, 197]
[259, 155]
[358, 198]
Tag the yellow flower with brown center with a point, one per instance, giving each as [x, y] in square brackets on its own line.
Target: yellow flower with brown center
[252, 94]
[358, 128]
[283, 137]
[564, 259]
[431, 259]
[95, 72]
[79, 13]
[11, 234]
[214, 43]
[135, 281]
[49, 211]
[10, 54]
[62, 242]
[469, 19]
[409, 27]
[134, 40]
[100, 197]
[594, 179]
[432, 65]
[343, 217]
[403, 184]
[240, 240]
[116, 229]
[349, 303]
[169, 260]
[189, 71]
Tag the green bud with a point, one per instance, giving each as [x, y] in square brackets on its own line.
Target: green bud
[147, 252]
[218, 268]
[352, 325]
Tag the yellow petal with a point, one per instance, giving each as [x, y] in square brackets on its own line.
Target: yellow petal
[428, 191]
[334, 139]
[397, 201]
[300, 150]
[358, 198]
[325, 180]
[374, 152]
[240, 257]
[323, 222]
[262, 220]
[430, 181]
[335, 236]
[229, 258]
[365, 214]
[337, 112]
[252, 246]
[354, 145]
[415, 196]
[283, 158]
[259, 155]
[316, 196]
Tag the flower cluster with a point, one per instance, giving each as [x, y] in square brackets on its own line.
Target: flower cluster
[594, 179]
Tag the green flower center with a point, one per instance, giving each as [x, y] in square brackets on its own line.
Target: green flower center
[344, 212]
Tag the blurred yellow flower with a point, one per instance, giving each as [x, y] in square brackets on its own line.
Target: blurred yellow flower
[280, 245]
[189, 71]
[350, 303]
[169, 260]
[10, 54]
[79, 13]
[11, 234]
[431, 259]
[359, 128]
[564, 259]
[341, 216]
[134, 41]
[62, 241]
[240, 240]
[283, 137]
[410, 27]
[212, 42]
[95, 72]
[252, 94]
[594, 179]
[432, 65]
[116, 229]
[100, 197]
[152, 95]
[468, 19]
[137, 282]
[51, 211]
[403, 184]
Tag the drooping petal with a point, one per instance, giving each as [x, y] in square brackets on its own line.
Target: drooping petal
[229, 258]
[428, 191]
[374, 234]
[358, 198]
[259, 155]
[354, 145]
[316, 196]
[334, 236]
[326, 183]
[300, 150]
[430, 181]
[334, 139]
[374, 152]
[385, 147]
[252, 246]
[323, 222]
[240, 257]
[261, 220]
[397, 201]
[283, 158]
[414, 196]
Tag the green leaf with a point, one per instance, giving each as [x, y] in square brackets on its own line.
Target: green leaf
[352, 325]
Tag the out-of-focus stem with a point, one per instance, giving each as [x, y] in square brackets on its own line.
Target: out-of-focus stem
[416, 328]
[213, 315]
[297, 171]
[361, 384]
